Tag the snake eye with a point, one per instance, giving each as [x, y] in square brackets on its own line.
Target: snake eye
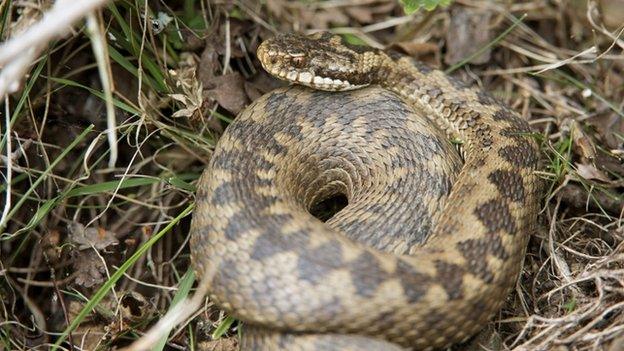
[298, 61]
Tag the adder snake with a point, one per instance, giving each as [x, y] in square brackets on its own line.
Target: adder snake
[363, 280]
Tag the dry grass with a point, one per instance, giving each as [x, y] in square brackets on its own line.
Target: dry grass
[99, 243]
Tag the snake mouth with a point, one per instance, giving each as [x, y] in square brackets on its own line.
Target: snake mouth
[313, 81]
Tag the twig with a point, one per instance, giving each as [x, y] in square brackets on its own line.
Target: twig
[98, 42]
[18, 54]
[9, 165]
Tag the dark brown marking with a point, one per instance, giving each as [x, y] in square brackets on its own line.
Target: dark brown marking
[434, 318]
[516, 123]
[222, 194]
[272, 241]
[472, 118]
[415, 284]
[330, 256]
[263, 201]
[509, 184]
[513, 132]
[454, 106]
[407, 79]
[223, 160]
[451, 277]
[495, 216]
[523, 154]
[421, 66]
[476, 252]
[485, 98]
[501, 115]
[238, 223]
[367, 274]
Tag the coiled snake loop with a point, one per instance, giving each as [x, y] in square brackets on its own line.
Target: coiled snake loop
[363, 281]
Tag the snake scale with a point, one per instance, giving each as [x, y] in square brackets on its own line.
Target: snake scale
[364, 280]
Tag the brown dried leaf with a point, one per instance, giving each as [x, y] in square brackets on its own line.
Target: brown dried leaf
[468, 32]
[90, 333]
[583, 143]
[363, 15]
[229, 91]
[426, 52]
[51, 244]
[89, 269]
[577, 197]
[29, 14]
[590, 172]
[208, 63]
[135, 307]
[323, 19]
[188, 89]
[611, 164]
[261, 84]
[85, 238]
[190, 39]
[609, 126]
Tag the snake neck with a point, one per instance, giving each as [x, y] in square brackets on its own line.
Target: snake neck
[462, 112]
[494, 141]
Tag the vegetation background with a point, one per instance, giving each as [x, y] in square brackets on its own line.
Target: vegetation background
[105, 134]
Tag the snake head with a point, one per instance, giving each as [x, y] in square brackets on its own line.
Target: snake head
[322, 61]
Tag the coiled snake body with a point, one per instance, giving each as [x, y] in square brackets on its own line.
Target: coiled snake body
[363, 280]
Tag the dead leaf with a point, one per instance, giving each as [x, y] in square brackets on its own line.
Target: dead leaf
[428, 53]
[229, 91]
[611, 164]
[469, 31]
[90, 334]
[583, 143]
[86, 238]
[610, 126]
[191, 41]
[89, 269]
[51, 244]
[363, 15]
[323, 19]
[208, 63]
[261, 84]
[590, 172]
[135, 307]
[188, 90]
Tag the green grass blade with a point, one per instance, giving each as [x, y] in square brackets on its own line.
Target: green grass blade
[104, 187]
[130, 67]
[223, 327]
[97, 93]
[43, 176]
[20, 104]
